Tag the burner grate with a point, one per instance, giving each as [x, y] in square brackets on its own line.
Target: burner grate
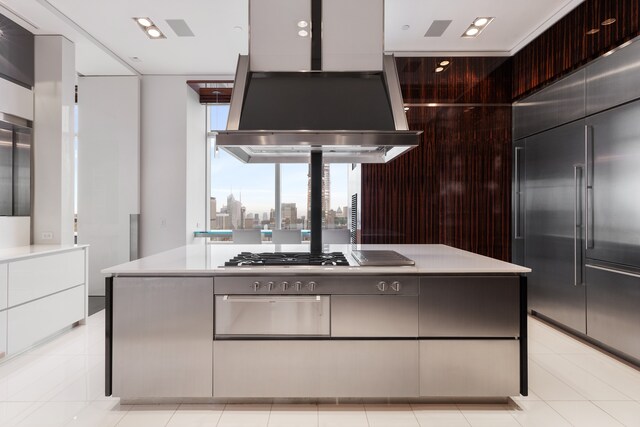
[287, 258]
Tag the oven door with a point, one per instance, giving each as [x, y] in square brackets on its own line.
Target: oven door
[249, 315]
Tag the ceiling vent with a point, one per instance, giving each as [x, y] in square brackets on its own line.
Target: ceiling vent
[437, 28]
[180, 27]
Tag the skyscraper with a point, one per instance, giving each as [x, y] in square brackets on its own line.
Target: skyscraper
[212, 213]
[326, 193]
[234, 208]
[289, 215]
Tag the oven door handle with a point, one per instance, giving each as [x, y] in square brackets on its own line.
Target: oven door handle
[271, 299]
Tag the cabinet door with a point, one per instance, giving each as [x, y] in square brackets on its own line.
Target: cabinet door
[613, 315]
[553, 234]
[470, 306]
[316, 368]
[469, 368]
[3, 334]
[162, 337]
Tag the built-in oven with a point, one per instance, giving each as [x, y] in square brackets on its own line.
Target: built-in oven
[272, 315]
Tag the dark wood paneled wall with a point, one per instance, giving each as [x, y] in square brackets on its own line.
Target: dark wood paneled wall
[455, 188]
[566, 45]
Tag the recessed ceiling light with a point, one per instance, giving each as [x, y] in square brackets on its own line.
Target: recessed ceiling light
[593, 31]
[439, 69]
[145, 22]
[481, 22]
[608, 21]
[625, 44]
[154, 32]
[444, 63]
[609, 53]
[406, 108]
[432, 104]
[472, 31]
[303, 24]
[303, 33]
[405, 27]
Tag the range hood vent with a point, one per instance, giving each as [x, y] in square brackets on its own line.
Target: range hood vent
[351, 117]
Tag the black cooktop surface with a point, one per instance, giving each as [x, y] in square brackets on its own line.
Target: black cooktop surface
[287, 258]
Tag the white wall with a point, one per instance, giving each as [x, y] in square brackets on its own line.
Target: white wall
[17, 101]
[172, 192]
[108, 169]
[53, 172]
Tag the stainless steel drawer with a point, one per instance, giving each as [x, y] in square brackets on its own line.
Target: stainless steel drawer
[470, 306]
[374, 316]
[305, 315]
[315, 368]
[469, 368]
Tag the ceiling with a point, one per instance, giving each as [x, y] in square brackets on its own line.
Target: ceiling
[108, 41]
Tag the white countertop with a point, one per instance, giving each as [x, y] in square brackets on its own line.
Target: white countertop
[19, 252]
[210, 258]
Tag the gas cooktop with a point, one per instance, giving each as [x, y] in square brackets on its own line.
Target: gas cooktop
[287, 258]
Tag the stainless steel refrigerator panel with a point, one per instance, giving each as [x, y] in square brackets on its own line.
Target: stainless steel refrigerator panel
[560, 103]
[517, 203]
[613, 314]
[554, 217]
[374, 316]
[613, 80]
[613, 180]
[255, 315]
[481, 306]
[6, 171]
[22, 172]
[162, 335]
[310, 368]
[469, 368]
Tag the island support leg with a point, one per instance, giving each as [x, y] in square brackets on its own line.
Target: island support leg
[524, 364]
[108, 329]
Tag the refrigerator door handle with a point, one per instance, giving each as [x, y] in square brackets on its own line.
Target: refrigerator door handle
[577, 226]
[518, 195]
[588, 179]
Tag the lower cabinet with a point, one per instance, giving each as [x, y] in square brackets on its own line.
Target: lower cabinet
[3, 334]
[162, 337]
[32, 322]
[469, 368]
[613, 309]
[316, 368]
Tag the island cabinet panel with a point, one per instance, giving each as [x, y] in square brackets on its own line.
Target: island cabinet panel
[374, 316]
[162, 335]
[469, 368]
[469, 306]
[315, 368]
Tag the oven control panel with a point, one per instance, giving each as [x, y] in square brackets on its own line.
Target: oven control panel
[339, 285]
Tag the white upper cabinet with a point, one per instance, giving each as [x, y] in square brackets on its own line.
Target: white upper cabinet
[274, 42]
[352, 35]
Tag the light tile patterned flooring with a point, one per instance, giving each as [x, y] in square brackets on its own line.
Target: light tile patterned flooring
[61, 384]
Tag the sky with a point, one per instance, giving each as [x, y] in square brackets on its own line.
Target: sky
[255, 183]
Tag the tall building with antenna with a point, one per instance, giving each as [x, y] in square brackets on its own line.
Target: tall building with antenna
[326, 194]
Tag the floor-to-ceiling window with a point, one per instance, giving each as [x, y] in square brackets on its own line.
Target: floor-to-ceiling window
[243, 196]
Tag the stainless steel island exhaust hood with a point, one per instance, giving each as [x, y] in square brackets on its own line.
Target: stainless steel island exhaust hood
[349, 115]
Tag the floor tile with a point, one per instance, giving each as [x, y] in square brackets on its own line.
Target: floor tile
[342, 416]
[293, 416]
[53, 414]
[148, 416]
[238, 415]
[577, 378]
[584, 414]
[196, 416]
[549, 387]
[12, 411]
[616, 374]
[627, 413]
[537, 414]
[488, 415]
[439, 415]
[99, 414]
[391, 416]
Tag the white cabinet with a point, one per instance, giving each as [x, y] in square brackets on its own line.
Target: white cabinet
[44, 275]
[35, 321]
[3, 286]
[3, 334]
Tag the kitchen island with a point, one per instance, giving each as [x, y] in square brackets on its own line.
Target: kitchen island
[181, 326]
